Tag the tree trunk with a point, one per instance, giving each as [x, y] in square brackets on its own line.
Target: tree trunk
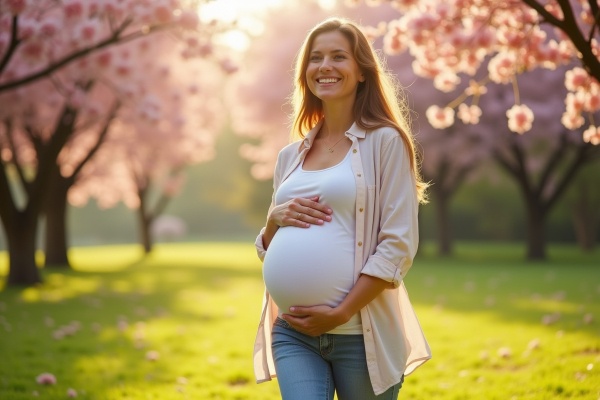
[21, 249]
[145, 222]
[444, 228]
[585, 219]
[536, 240]
[55, 209]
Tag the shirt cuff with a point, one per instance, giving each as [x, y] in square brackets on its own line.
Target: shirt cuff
[381, 268]
[260, 249]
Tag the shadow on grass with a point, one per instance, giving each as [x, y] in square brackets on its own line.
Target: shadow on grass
[198, 306]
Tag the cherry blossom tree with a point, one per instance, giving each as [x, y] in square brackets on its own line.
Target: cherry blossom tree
[49, 52]
[545, 161]
[172, 122]
[452, 37]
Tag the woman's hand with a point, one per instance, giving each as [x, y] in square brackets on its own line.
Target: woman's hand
[300, 212]
[315, 320]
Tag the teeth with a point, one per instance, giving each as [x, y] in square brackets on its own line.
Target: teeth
[328, 80]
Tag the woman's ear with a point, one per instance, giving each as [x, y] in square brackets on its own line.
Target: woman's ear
[361, 78]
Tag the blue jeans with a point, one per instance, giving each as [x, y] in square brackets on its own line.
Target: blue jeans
[312, 368]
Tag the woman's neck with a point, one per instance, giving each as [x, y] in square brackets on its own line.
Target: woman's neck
[338, 118]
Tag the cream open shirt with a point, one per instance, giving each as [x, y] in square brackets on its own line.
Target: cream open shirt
[386, 242]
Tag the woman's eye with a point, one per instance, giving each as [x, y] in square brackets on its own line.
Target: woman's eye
[315, 58]
[340, 57]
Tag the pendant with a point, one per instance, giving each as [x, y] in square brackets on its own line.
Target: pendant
[330, 150]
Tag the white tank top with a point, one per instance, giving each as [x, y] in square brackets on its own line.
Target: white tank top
[315, 265]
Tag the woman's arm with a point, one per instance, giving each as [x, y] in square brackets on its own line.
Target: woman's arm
[317, 320]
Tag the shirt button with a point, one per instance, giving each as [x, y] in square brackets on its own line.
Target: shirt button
[359, 175]
[360, 243]
[354, 151]
[368, 330]
[361, 210]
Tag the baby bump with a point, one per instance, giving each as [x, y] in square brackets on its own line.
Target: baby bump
[307, 267]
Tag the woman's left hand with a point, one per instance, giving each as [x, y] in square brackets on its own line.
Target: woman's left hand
[315, 320]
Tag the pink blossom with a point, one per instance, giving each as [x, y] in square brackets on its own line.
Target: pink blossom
[572, 120]
[575, 102]
[228, 66]
[446, 81]
[15, 7]
[469, 114]
[46, 379]
[71, 392]
[88, 31]
[440, 118]
[592, 135]
[520, 118]
[32, 51]
[73, 8]
[576, 79]
[28, 29]
[502, 67]
[592, 101]
[162, 13]
[49, 27]
[104, 58]
[587, 319]
[188, 20]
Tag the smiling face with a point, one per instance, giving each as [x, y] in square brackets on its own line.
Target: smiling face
[332, 73]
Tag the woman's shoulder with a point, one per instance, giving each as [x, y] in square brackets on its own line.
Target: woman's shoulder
[290, 151]
[384, 133]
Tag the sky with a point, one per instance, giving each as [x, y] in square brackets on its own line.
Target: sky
[246, 14]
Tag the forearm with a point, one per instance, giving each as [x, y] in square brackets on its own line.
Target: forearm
[366, 289]
[269, 233]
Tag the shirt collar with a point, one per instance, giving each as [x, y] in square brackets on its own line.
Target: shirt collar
[354, 130]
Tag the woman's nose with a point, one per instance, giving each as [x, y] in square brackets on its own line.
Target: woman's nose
[325, 66]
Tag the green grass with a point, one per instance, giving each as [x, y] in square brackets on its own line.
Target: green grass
[198, 306]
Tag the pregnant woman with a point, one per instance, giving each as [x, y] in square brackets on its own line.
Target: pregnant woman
[341, 231]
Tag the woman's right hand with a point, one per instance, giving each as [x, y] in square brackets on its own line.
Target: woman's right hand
[300, 212]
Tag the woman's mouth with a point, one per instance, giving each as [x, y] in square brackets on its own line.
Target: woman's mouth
[328, 80]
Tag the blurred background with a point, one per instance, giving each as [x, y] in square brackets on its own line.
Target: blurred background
[138, 141]
[224, 196]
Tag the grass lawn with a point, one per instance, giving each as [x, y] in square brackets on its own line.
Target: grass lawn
[195, 308]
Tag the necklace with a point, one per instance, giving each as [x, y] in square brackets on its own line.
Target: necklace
[330, 149]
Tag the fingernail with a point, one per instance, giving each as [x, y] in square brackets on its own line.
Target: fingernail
[320, 221]
[292, 309]
[329, 210]
[328, 218]
[307, 225]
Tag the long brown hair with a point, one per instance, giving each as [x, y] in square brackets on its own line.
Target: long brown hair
[379, 99]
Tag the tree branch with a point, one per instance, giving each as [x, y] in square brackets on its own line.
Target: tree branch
[571, 29]
[595, 12]
[114, 39]
[48, 156]
[15, 160]
[36, 141]
[544, 13]
[552, 163]
[14, 42]
[160, 206]
[8, 208]
[582, 157]
[99, 141]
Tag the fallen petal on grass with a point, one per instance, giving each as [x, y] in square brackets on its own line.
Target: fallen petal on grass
[534, 344]
[71, 392]
[46, 378]
[504, 352]
[152, 355]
